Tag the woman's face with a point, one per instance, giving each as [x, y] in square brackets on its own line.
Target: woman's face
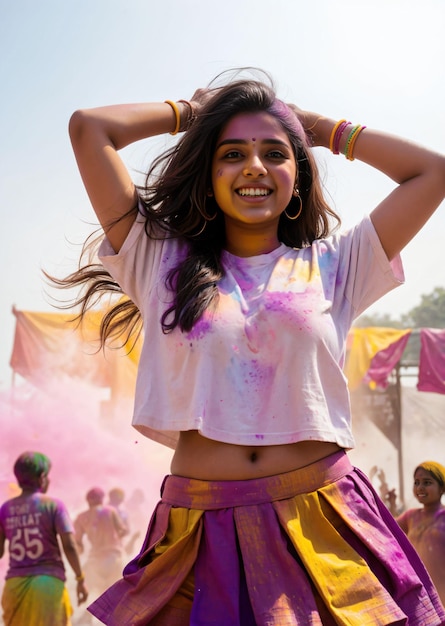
[253, 171]
[426, 488]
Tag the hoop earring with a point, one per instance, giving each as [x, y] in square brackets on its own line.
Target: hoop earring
[210, 219]
[295, 217]
[203, 212]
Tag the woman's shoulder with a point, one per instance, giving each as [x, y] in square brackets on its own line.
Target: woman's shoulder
[45, 501]
[409, 515]
[144, 238]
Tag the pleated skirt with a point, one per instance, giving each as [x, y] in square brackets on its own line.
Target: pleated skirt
[315, 546]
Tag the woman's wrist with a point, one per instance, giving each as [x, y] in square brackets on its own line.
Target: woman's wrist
[319, 129]
[187, 114]
[338, 136]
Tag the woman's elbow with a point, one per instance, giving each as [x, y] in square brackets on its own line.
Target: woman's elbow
[79, 122]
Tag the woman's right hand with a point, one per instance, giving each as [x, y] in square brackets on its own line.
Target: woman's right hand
[197, 101]
[192, 108]
[97, 135]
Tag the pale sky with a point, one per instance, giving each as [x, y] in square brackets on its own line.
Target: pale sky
[378, 63]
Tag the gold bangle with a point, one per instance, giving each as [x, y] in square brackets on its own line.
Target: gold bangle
[174, 106]
[349, 148]
[80, 578]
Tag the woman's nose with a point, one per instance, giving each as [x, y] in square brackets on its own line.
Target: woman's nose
[255, 167]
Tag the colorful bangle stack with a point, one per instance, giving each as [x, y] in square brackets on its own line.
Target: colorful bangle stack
[174, 106]
[336, 135]
[337, 132]
[348, 150]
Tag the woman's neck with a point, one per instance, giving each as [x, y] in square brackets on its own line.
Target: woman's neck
[245, 242]
[431, 509]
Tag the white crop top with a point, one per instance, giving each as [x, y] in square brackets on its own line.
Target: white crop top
[266, 366]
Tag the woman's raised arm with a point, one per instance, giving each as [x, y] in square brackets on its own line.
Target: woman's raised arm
[418, 171]
[96, 136]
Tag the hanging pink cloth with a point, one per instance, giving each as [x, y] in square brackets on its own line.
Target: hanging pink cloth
[432, 360]
[385, 361]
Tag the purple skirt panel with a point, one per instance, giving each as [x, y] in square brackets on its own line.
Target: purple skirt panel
[311, 547]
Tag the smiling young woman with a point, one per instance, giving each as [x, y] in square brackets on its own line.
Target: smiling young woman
[230, 256]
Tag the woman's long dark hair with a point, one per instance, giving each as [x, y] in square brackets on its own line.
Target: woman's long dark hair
[175, 203]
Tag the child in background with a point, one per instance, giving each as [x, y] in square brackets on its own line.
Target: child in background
[35, 592]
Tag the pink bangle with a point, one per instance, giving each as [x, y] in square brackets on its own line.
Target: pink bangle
[333, 133]
[338, 135]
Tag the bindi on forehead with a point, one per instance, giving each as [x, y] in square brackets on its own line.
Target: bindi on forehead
[254, 139]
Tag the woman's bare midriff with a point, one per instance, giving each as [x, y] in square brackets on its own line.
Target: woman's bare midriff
[205, 459]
